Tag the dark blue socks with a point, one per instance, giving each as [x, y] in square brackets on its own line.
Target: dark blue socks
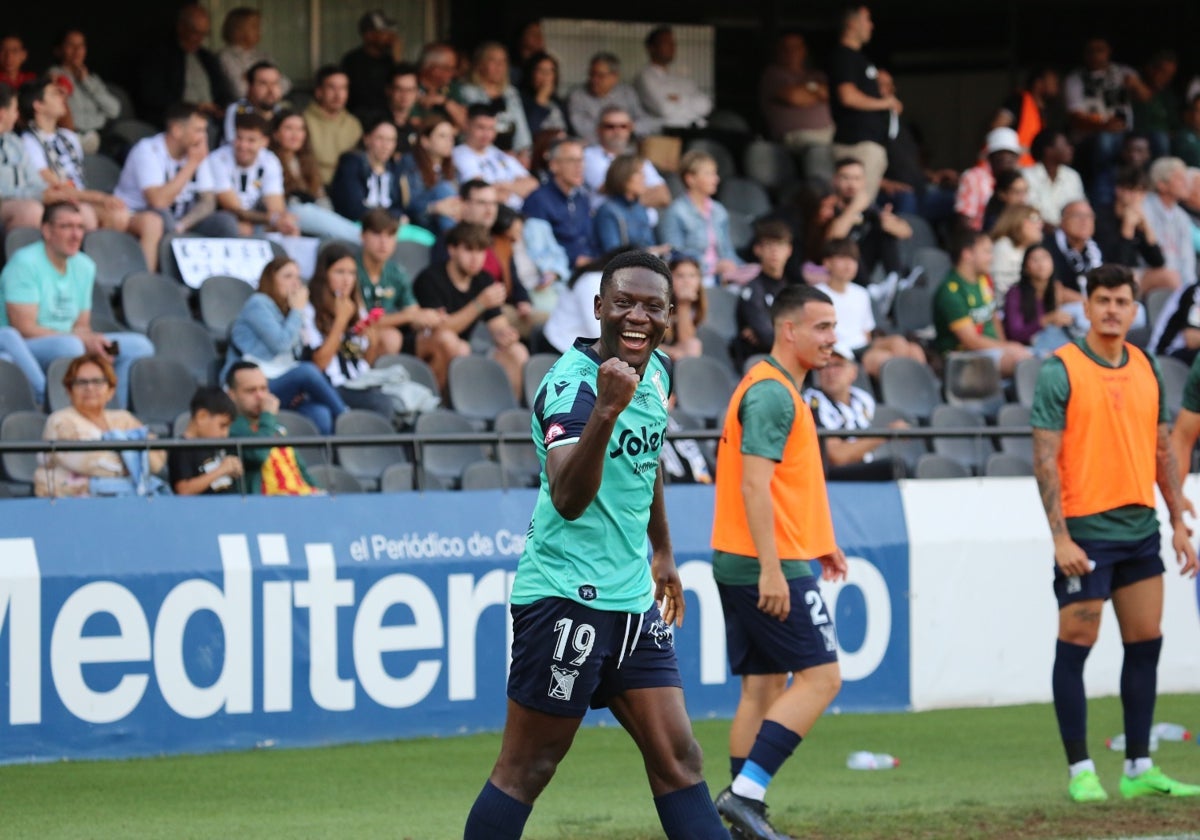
[1139, 690]
[774, 744]
[689, 814]
[1070, 701]
[496, 816]
[735, 766]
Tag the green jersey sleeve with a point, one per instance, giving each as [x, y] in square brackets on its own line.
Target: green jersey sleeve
[767, 412]
[1050, 396]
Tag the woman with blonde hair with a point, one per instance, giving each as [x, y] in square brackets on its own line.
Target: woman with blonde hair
[696, 224]
[1018, 227]
[489, 84]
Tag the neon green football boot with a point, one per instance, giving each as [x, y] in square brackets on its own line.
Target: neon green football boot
[1086, 787]
[1154, 782]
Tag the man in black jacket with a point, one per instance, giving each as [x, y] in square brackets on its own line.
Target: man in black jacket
[182, 70]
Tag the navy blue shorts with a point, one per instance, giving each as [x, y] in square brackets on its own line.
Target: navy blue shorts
[759, 644]
[567, 656]
[1118, 563]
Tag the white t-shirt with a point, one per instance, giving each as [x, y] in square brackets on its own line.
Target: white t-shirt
[150, 165]
[262, 178]
[492, 165]
[574, 314]
[339, 370]
[855, 318]
[60, 152]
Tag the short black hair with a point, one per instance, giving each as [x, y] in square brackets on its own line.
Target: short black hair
[31, 92]
[236, 368]
[373, 121]
[964, 240]
[252, 121]
[404, 68]
[841, 248]
[772, 230]
[842, 163]
[1111, 276]
[1043, 140]
[796, 296]
[480, 109]
[468, 235]
[178, 112]
[656, 33]
[1132, 178]
[634, 259]
[324, 72]
[255, 67]
[214, 401]
[6, 94]
[467, 187]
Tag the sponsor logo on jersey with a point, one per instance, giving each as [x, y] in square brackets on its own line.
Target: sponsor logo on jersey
[587, 592]
[562, 682]
[559, 387]
[553, 433]
[635, 443]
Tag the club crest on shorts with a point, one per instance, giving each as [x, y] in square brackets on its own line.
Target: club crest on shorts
[1074, 585]
[830, 637]
[587, 592]
[562, 682]
[662, 633]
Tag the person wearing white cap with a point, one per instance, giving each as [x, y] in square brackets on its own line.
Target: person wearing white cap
[977, 183]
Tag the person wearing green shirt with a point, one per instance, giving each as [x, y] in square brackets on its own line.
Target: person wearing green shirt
[246, 385]
[1187, 422]
[965, 309]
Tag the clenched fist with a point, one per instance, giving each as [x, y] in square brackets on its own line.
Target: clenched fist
[616, 383]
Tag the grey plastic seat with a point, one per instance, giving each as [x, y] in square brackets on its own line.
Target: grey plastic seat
[334, 480]
[441, 465]
[22, 425]
[1015, 415]
[181, 423]
[973, 382]
[910, 386]
[744, 196]
[907, 450]
[412, 257]
[130, 130]
[484, 475]
[397, 478]
[16, 394]
[479, 389]
[188, 343]
[518, 457]
[703, 387]
[18, 238]
[535, 371]
[159, 389]
[713, 345]
[934, 263]
[100, 172]
[117, 255]
[1025, 379]
[146, 296]
[741, 230]
[297, 425]
[751, 361]
[1003, 464]
[939, 466]
[1155, 301]
[56, 393]
[103, 318]
[418, 370]
[726, 165]
[770, 164]
[221, 299]
[366, 463]
[913, 310]
[971, 452]
[1174, 375]
[722, 312]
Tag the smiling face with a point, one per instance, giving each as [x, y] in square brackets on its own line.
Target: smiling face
[247, 143]
[291, 134]
[812, 333]
[267, 88]
[439, 142]
[634, 311]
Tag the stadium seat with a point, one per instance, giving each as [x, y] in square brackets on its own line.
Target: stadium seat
[100, 172]
[479, 389]
[418, 370]
[1014, 415]
[741, 231]
[103, 317]
[1025, 379]
[122, 96]
[939, 466]
[56, 393]
[910, 386]
[923, 235]
[744, 196]
[726, 165]
[726, 120]
[1003, 464]
[518, 456]
[714, 345]
[158, 390]
[130, 130]
[188, 343]
[18, 238]
[973, 382]
[703, 387]
[751, 361]
[366, 463]
[722, 312]
[180, 424]
[1156, 300]
[1174, 375]
[397, 478]
[484, 475]
[441, 465]
[334, 480]
[146, 296]
[971, 452]
[297, 425]
[934, 263]
[674, 184]
[770, 164]
[907, 450]
[22, 425]
[16, 394]
[117, 255]
[535, 371]
[412, 257]
[913, 310]
[221, 299]
[708, 447]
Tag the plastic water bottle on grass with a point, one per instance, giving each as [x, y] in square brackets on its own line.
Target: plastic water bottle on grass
[1170, 732]
[1117, 742]
[863, 760]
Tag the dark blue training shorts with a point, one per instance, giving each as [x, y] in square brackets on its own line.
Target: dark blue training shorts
[1118, 563]
[760, 644]
[567, 656]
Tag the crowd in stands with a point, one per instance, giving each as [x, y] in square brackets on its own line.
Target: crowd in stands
[465, 205]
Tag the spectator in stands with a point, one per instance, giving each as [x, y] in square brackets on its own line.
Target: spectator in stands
[478, 157]
[856, 326]
[212, 470]
[183, 70]
[877, 232]
[794, 97]
[755, 329]
[1099, 98]
[1012, 190]
[978, 183]
[838, 404]
[403, 91]
[1031, 312]
[241, 31]
[697, 225]
[604, 88]
[1053, 184]
[341, 337]
[1027, 112]
[563, 202]
[907, 184]
[248, 180]
[370, 177]
[690, 302]
[489, 85]
[469, 295]
[529, 42]
[615, 132]
[12, 61]
[1126, 238]
[268, 331]
[264, 90]
[22, 189]
[522, 275]
[430, 179]
[965, 309]
[46, 289]
[861, 112]
[1075, 250]
[332, 130]
[441, 93]
[1185, 144]
[306, 198]
[544, 110]
[1167, 221]
[672, 97]
[1018, 228]
[91, 382]
[369, 66]
[167, 174]
[622, 219]
[268, 471]
[479, 207]
[91, 103]
[1157, 115]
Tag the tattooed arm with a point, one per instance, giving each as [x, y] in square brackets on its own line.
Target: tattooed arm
[1046, 445]
[1172, 493]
